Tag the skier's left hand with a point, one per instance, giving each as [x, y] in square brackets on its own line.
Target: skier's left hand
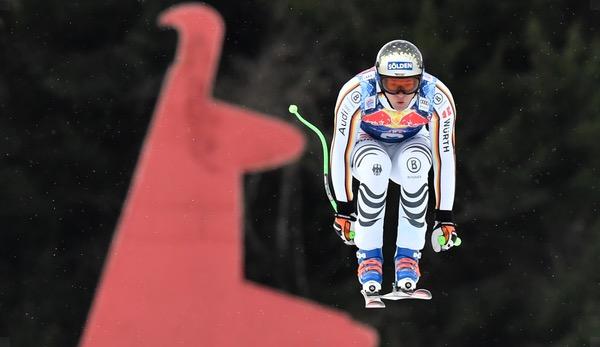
[444, 236]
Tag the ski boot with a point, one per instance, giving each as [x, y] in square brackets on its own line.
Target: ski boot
[370, 276]
[407, 276]
[407, 269]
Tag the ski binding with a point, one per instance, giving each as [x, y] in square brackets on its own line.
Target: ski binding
[372, 299]
[397, 294]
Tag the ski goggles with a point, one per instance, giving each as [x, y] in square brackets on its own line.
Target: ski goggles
[397, 85]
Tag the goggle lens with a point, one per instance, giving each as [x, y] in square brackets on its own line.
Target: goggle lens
[396, 85]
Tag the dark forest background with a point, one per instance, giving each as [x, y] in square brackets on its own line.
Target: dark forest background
[79, 81]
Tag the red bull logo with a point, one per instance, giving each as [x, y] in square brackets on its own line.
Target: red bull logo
[413, 119]
[394, 119]
[380, 117]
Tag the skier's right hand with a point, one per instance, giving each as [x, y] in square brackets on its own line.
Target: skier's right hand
[344, 227]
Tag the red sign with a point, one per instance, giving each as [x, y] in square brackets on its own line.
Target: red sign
[174, 272]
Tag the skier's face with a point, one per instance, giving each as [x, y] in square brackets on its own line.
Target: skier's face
[400, 101]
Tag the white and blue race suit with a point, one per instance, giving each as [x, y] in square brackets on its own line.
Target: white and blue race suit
[368, 147]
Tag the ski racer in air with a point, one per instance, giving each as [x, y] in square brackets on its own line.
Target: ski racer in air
[395, 122]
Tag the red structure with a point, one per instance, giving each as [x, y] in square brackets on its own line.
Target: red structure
[174, 274]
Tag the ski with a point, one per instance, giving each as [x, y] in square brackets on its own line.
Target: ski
[372, 300]
[420, 294]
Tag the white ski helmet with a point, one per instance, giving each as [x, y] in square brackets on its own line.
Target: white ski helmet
[399, 58]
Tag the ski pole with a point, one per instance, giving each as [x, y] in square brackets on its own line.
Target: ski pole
[294, 110]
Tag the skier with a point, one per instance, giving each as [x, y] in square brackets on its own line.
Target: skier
[393, 121]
